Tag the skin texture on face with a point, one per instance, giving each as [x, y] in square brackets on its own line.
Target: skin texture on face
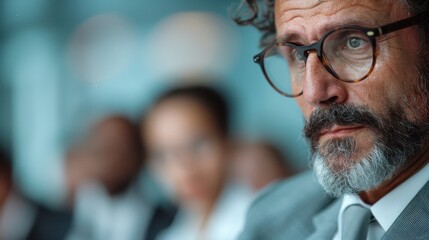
[391, 79]
[393, 83]
[187, 148]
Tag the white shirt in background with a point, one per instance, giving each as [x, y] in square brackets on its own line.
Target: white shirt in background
[225, 223]
[99, 216]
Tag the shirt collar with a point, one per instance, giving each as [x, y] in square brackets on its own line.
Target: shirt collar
[399, 197]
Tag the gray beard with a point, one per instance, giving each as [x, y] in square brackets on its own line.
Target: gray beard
[378, 166]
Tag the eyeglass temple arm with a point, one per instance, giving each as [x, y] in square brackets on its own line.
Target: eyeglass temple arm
[419, 18]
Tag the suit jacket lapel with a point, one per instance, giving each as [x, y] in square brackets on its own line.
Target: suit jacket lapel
[326, 222]
[414, 220]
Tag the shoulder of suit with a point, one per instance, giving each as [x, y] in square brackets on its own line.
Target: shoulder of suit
[299, 193]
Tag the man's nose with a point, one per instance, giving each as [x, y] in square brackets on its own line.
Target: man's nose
[321, 88]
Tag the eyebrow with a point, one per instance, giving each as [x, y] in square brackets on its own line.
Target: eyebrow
[287, 38]
[295, 37]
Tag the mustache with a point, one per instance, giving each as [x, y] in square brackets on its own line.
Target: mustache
[342, 115]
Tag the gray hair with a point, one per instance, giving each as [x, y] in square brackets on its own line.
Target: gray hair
[260, 14]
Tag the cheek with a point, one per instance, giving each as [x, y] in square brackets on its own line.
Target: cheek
[212, 169]
[306, 108]
[392, 84]
[397, 65]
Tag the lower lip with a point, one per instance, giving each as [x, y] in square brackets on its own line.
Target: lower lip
[341, 133]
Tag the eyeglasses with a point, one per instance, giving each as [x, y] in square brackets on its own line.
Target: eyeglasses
[348, 53]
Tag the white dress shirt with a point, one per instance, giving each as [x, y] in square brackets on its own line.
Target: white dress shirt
[225, 223]
[387, 209]
[99, 216]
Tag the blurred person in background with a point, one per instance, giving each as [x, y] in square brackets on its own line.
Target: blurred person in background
[103, 175]
[78, 170]
[186, 134]
[21, 218]
[259, 164]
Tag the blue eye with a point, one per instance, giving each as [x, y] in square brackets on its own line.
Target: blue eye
[298, 56]
[355, 42]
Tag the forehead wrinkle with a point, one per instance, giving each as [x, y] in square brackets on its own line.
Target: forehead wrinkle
[301, 7]
[327, 17]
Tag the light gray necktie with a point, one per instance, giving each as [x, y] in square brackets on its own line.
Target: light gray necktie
[356, 220]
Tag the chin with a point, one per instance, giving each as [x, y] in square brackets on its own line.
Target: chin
[342, 153]
[363, 170]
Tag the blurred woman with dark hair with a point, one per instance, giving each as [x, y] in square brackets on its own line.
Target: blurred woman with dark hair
[186, 134]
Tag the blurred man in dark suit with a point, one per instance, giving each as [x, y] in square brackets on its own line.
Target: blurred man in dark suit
[20, 218]
[103, 177]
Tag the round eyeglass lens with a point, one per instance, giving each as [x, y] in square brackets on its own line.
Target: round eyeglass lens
[349, 53]
[284, 68]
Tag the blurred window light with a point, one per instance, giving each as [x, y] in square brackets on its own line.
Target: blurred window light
[191, 44]
[102, 48]
[21, 12]
[32, 67]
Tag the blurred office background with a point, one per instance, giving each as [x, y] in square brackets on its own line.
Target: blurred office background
[65, 63]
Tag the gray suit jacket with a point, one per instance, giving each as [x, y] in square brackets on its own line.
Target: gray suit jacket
[298, 208]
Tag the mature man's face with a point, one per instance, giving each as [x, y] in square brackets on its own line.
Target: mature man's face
[361, 134]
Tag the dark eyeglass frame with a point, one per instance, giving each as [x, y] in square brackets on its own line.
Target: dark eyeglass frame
[371, 33]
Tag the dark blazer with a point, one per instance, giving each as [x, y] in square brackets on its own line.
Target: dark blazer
[54, 225]
[50, 225]
[162, 218]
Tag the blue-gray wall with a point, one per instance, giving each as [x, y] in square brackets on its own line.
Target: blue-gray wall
[49, 100]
